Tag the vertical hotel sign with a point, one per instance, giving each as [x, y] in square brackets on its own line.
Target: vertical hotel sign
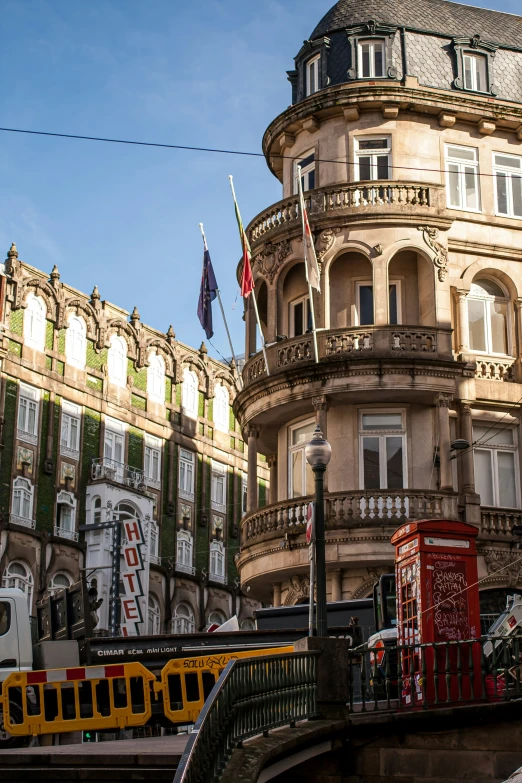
[132, 575]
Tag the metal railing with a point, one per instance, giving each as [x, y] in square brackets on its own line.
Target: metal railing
[118, 472]
[251, 697]
[402, 676]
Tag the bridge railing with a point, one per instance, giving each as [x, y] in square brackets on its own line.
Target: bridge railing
[251, 697]
[395, 677]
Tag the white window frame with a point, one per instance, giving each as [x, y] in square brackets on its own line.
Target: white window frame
[461, 164]
[292, 448]
[508, 172]
[313, 75]
[153, 532]
[305, 301]
[217, 561]
[494, 449]
[186, 477]
[244, 495]
[183, 621]
[152, 459]
[96, 510]
[23, 583]
[185, 552]
[357, 310]
[117, 361]
[382, 435]
[156, 378]
[373, 154]
[53, 588]
[219, 475]
[31, 402]
[473, 83]
[35, 322]
[216, 618]
[489, 300]
[22, 502]
[153, 615]
[372, 44]
[308, 183]
[66, 500]
[70, 433]
[113, 439]
[76, 342]
[221, 408]
[190, 393]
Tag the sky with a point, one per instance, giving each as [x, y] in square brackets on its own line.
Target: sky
[208, 73]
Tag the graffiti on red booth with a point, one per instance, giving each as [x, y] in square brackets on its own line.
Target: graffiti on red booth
[133, 565]
[449, 595]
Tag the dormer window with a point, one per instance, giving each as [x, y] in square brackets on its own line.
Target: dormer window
[475, 72]
[312, 75]
[371, 59]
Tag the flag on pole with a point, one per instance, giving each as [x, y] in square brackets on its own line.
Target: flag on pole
[247, 278]
[207, 294]
[312, 267]
[310, 524]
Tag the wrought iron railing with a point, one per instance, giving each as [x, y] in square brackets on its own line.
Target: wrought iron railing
[118, 472]
[395, 677]
[250, 697]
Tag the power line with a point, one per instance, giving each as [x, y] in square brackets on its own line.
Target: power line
[216, 150]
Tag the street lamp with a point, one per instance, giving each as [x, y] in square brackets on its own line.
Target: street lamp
[318, 453]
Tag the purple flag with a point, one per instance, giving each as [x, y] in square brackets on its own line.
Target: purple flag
[207, 295]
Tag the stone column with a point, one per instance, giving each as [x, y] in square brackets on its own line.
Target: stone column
[463, 333]
[337, 585]
[321, 408]
[250, 328]
[468, 467]
[443, 404]
[380, 291]
[253, 434]
[271, 325]
[272, 464]
[276, 587]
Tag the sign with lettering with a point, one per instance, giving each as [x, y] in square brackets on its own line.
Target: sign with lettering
[449, 585]
[448, 542]
[131, 576]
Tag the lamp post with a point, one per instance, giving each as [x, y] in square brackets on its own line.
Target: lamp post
[318, 453]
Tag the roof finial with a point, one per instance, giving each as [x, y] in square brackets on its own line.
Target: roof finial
[95, 294]
[13, 252]
[12, 255]
[203, 349]
[55, 274]
[135, 316]
[171, 335]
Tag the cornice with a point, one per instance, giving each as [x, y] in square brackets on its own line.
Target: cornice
[481, 249]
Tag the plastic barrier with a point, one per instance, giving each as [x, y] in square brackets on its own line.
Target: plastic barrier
[80, 699]
[186, 682]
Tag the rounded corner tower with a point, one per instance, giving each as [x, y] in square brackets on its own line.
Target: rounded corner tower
[406, 122]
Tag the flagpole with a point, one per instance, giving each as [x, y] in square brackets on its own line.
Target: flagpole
[245, 239]
[310, 295]
[223, 313]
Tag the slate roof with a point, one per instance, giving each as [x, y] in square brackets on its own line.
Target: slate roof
[436, 16]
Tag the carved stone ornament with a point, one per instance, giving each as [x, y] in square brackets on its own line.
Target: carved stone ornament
[440, 258]
[268, 262]
[506, 563]
[324, 242]
[299, 588]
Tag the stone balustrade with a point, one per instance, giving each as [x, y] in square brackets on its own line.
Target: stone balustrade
[379, 196]
[367, 341]
[489, 369]
[349, 509]
[499, 522]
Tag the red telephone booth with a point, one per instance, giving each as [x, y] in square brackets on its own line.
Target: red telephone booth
[437, 611]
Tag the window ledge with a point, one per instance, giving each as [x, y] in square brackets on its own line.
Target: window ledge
[219, 507]
[154, 483]
[155, 560]
[16, 520]
[186, 495]
[65, 451]
[185, 569]
[27, 437]
[61, 532]
[217, 578]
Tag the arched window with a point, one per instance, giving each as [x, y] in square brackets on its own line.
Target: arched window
[184, 551]
[221, 408]
[215, 618]
[487, 313]
[248, 624]
[189, 396]
[217, 560]
[156, 378]
[96, 511]
[60, 581]
[66, 516]
[76, 342]
[35, 323]
[22, 511]
[183, 619]
[154, 613]
[118, 361]
[18, 574]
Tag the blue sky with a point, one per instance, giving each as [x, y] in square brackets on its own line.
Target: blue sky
[206, 73]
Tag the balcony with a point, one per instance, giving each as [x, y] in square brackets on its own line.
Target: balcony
[361, 342]
[23, 521]
[358, 200]
[185, 569]
[155, 560]
[109, 470]
[499, 521]
[357, 508]
[62, 532]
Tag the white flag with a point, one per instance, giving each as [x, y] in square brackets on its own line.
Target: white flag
[310, 258]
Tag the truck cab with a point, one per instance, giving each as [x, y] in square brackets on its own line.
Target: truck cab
[16, 650]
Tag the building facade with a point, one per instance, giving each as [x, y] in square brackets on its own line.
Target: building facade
[102, 419]
[406, 120]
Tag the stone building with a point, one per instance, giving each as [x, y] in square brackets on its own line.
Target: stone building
[406, 119]
[102, 417]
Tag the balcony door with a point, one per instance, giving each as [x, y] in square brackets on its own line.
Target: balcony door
[382, 450]
[300, 475]
[114, 448]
